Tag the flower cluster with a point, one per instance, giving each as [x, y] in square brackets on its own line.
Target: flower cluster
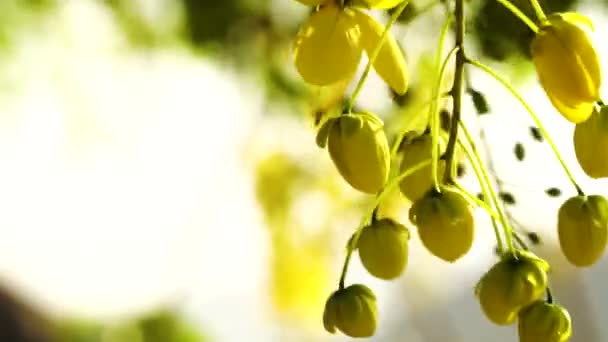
[328, 49]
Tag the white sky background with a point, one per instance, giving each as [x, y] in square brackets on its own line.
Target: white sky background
[123, 186]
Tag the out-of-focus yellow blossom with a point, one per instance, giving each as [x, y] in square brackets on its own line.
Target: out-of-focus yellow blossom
[390, 62]
[327, 48]
[329, 45]
[567, 64]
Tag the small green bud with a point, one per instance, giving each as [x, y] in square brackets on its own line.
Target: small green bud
[590, 142]
[417, 184]
[445, 223]
[582, 227]
[351, 310]
[358, 146]
[510, 285]
[545, 322]
[383, 248]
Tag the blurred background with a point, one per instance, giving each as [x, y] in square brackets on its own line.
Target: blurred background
[159, 180]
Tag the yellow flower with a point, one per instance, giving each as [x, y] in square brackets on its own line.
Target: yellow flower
[545, 322]
[567, 64]
[445, 223]
[359, 149]
[329, 45]
[390, 62]
[510, 285]
[590, 140]
[582, 227]
[383, 248]
[352, 310]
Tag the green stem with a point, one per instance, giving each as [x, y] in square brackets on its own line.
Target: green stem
[381, 196]
[541, 127]
[374, 55]
[433, 109]
[435, 119]
[457, 89]
[508, 231]
[540, 14]
[519, 14]
[475, 162]
[474, 199]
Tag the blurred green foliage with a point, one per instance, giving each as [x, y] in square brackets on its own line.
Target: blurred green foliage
[164, 326]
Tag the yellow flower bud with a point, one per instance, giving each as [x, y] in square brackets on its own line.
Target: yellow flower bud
[445, 223]
[358, 146]
[312, 2]
[389, 63]
[544, 322]
[383, 248]
[510, 285]
[567, 64]
[590, 140]
[327, 48]
[582, 226]
[352, 310]
[417, 184]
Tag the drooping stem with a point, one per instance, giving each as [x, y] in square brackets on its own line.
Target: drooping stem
[435, 120]
[374, 55]
[508, 231]
[368, 216]
[539, 124]
[457, 89]
[519, 14]
[540, 14]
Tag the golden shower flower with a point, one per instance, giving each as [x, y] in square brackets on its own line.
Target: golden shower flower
[513, 283]
[383, 248]
[351, 310]
[567, 64]
[329, 45]
[390, 62]
[359, 149]
[582, 227]
[445, 223]
[590, 140]
[327, 48]
[542, 321]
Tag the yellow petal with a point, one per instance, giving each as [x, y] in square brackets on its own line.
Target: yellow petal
[390, 63]
[327, 47]
[566, 60]
[575, 113]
